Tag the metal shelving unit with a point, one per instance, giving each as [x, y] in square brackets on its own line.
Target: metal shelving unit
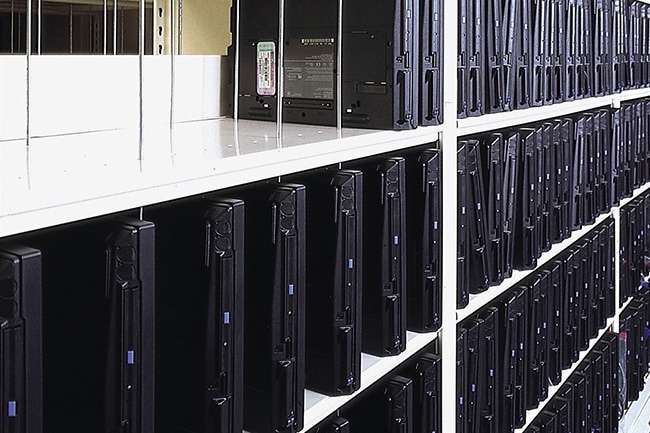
[47, 180]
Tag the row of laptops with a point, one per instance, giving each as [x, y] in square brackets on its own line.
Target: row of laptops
[510, 351]
[588, 400]
[511, 55]
[516, 54]
[409, 401]
[608, 381]
[634, 246]
[635, 347]
[521, 191]
[390, 70]
[77, 309]
[256, 294]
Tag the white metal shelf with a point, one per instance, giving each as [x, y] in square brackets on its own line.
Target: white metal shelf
[553, 389]
[478, 301]
[319, 407]
[62, 179]
[67, 178]
[629, 95]
[642, 189]
[509, 119]
[531, 414]
[110, 171]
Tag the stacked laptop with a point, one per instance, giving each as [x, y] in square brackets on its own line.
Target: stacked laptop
[399, 87]
[409, 400]
[634, 241]
[587, 401]
[515, 54]
[523, 190]
[90, 286]
[510, 351]
[201, 310]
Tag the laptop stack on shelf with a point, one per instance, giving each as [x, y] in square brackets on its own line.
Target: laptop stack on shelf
[334, 246]
[384, 255]
[102, 274]
[22, 330]
[380, 88]
[205, 238]
[274, 365]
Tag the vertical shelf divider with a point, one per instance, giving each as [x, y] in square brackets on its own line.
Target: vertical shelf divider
[448, 143]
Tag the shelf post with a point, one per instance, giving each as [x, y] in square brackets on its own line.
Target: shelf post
[616, 214]
[448, 144]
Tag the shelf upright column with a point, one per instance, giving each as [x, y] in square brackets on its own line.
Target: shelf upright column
[448, 143]
[616, 214]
